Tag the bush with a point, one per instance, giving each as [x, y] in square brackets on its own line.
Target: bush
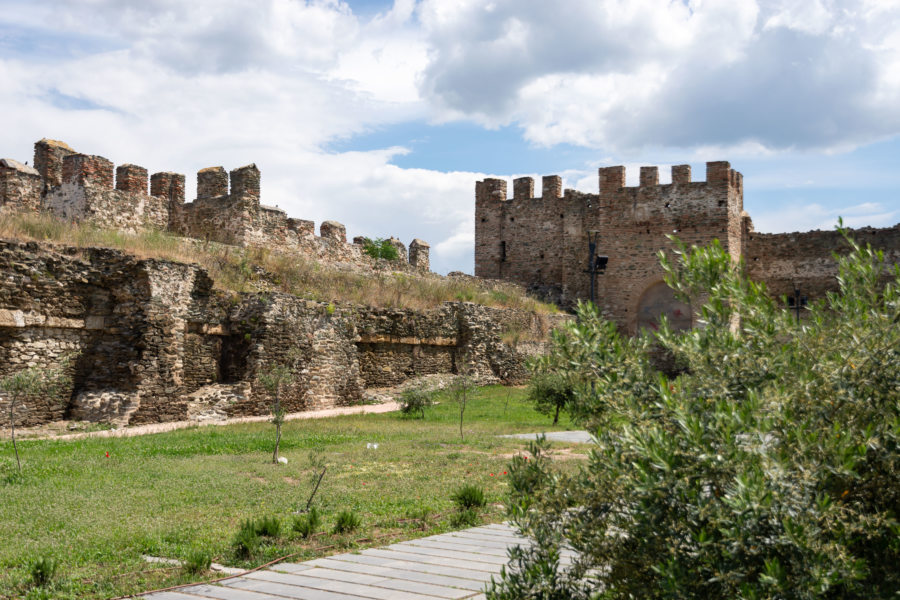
[768, 468]
[380, 248]
[307, 524]
[197, 561]
[464, 518]
[414, 400]
[469, 496]
[347, 521]
[268, 527]
[43, 569]
[246, 541]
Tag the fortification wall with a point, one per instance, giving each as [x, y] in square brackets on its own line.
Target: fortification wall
[155, 342]
[805, 260]
[83, 188]
[542, 242]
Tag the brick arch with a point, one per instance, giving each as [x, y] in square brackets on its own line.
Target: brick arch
[659, 299]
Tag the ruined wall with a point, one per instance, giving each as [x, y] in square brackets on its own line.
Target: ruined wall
[20, 187]
[83, 188]
[783, 260]
[542, 242]
[86, 193]
[155, 342]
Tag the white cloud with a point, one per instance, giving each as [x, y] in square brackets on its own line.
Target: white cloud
[623, 76]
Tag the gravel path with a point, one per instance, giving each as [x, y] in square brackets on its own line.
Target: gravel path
[173, 425]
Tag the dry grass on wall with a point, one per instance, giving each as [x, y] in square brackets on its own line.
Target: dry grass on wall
[258, 269]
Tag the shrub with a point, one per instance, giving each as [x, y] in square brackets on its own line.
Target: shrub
[469, 496]
[347, 521]
[380, 248]
[43, 569]
[197, 561]
[307, 524]
[768, 468]
[246, 540]
[414, 400]
[268, 526]
[464, 518]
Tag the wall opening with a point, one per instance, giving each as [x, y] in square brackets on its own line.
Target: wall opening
[233, 360]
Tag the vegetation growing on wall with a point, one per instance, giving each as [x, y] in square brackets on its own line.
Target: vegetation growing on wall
[258, 269]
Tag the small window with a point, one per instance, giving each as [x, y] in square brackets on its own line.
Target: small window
[503, 251]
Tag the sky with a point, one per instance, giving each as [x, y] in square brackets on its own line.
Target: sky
[382, 115]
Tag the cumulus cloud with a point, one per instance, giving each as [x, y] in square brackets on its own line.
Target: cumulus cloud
[627, 75]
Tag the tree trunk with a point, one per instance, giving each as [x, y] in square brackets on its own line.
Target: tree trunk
[12, 426]
[277, 442]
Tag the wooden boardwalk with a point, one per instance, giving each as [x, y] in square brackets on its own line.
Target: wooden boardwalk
[450, 565]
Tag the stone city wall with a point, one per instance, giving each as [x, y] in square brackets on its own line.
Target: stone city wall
[543, 242]
[805, 260]
[152, 341]
[80, 187]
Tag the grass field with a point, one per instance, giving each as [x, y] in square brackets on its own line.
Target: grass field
[169, 494]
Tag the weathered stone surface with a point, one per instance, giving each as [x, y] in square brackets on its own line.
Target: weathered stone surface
[79, 187]
[156, 342]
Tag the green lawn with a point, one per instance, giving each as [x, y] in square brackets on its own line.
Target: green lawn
[167, 494]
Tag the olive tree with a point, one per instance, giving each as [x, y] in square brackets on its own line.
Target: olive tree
[769, 467]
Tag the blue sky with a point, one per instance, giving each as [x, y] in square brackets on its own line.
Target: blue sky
[382, 115]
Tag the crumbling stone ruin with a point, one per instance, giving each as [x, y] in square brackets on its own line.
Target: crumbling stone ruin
[81, 187]
[544, 242]
[156, 342]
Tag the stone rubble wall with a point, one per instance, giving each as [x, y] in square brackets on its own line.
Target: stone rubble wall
[155, 342]
[85, 188]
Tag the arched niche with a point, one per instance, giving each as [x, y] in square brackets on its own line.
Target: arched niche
[658, 300]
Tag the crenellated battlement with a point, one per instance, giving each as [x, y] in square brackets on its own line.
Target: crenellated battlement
[611, 181]
[227, 209]
[543, 242]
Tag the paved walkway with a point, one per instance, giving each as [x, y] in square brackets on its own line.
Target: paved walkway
[573, 437]
[451, 565]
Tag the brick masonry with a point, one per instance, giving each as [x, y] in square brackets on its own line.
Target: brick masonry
[543, 242]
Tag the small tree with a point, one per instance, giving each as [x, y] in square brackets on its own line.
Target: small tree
[461, 387]
[550, 392]
[414, 400]
[32, 381]
[380, 248]
[275, 379]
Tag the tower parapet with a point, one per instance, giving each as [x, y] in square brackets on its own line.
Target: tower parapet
[131, 178]
[418, 254]
[245, 182]
[48, 160]
[88, 170]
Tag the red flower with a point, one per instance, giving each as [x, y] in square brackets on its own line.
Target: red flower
[504, 472]
[492, 474]
[107, 455]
